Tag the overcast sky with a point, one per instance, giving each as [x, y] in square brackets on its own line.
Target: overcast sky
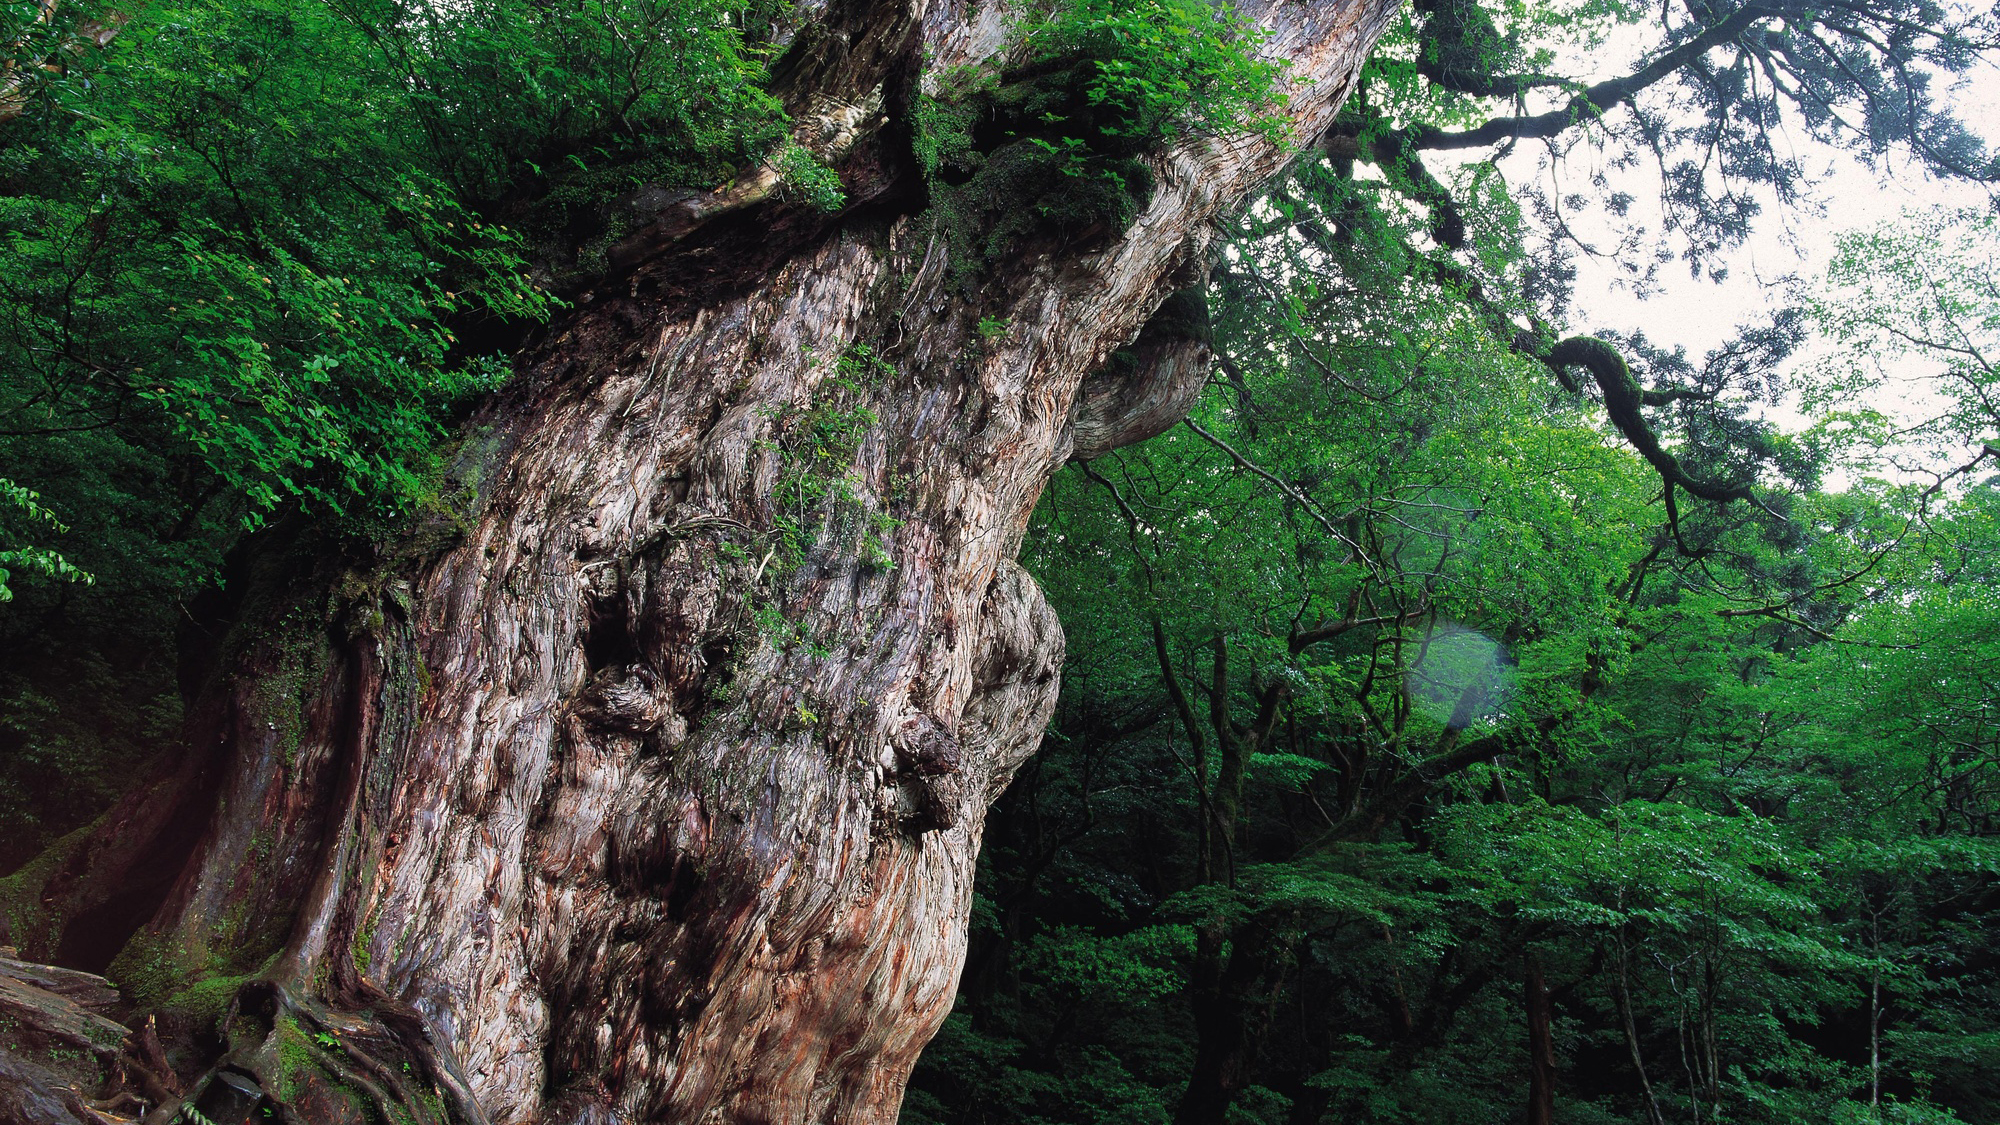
[1786, 242]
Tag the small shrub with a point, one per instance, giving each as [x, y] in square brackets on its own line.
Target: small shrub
[807, 178]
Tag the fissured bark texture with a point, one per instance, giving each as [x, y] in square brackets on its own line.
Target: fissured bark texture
[657, 792]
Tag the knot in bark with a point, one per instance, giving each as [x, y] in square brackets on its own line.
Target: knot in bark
[930, 775]
[1148, 386]
[924, 747]
[630, 699]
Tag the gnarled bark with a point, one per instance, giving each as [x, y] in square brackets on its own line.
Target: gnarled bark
[646, 784]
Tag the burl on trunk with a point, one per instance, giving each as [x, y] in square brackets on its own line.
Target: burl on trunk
[648, 786]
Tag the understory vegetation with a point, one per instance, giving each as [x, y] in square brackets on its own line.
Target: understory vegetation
[1465, 718]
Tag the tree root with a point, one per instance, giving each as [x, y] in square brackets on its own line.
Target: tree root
[313, 1065]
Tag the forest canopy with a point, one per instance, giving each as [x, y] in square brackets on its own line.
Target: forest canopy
[1471, 711]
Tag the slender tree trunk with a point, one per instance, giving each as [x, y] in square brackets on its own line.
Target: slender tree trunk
[1541, 1043]
[1875, 1016]
[1710, 1042]
[1875, 1044]
[646, 784]
[1622, 983]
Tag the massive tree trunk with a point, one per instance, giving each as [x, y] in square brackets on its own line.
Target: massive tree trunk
[645, 781]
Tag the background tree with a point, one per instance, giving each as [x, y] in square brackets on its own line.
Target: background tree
[1393, 674]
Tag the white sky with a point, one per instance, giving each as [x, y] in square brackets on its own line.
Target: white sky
[1786, 242]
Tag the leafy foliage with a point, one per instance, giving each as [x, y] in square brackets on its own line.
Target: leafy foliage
[259, 256]
[263, 292]
[1049, 138]
[1914, 298]
[36, 560]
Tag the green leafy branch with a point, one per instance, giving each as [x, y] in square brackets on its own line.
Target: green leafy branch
[34, 560]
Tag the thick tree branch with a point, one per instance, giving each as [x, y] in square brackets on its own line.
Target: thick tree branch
[1594, 101]
[1418, 781]
[1622, 400]
[1300, 640]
